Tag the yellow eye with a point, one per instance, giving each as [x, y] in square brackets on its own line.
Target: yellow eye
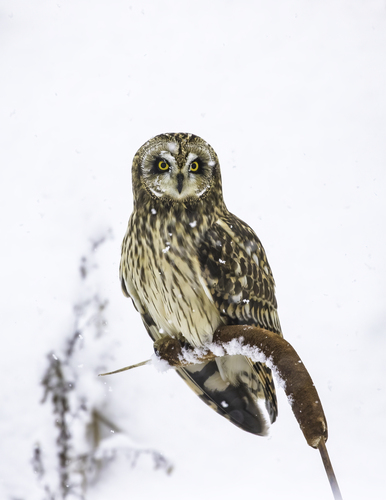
[163, 166]
[194, 166]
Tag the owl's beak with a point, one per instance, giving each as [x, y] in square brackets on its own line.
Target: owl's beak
[180, 180]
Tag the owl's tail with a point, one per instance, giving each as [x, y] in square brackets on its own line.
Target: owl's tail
[231, 386]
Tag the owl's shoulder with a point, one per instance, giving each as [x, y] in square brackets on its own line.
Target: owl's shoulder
[231, 239]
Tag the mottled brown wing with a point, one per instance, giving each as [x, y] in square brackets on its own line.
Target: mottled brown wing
[238, 275]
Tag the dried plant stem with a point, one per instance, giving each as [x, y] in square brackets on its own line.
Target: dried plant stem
[329, 470]
[142, 363]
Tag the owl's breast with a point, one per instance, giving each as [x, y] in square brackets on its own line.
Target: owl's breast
[165, 273]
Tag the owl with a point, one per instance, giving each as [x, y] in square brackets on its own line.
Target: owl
[189, 266]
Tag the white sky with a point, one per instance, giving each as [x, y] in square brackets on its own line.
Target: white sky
[291, 95]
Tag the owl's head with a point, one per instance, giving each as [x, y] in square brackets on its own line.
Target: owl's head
[176, 168]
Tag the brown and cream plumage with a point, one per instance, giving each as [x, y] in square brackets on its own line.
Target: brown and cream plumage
[189, 266]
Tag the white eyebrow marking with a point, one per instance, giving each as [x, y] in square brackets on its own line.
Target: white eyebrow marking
[191, 157]
[169, 157]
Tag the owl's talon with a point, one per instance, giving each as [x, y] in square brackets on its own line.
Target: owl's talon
[169, 349]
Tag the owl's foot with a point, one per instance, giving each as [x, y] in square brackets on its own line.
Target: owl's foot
[178, 352]
[169, 349]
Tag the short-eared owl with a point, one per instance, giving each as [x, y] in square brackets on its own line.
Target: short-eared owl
[190, 266]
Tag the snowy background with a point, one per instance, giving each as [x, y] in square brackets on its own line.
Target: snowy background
[291, 94]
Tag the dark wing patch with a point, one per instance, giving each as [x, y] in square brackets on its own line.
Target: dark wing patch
[232, 402]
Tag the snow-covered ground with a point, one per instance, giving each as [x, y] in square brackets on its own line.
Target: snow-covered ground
[291, 95]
